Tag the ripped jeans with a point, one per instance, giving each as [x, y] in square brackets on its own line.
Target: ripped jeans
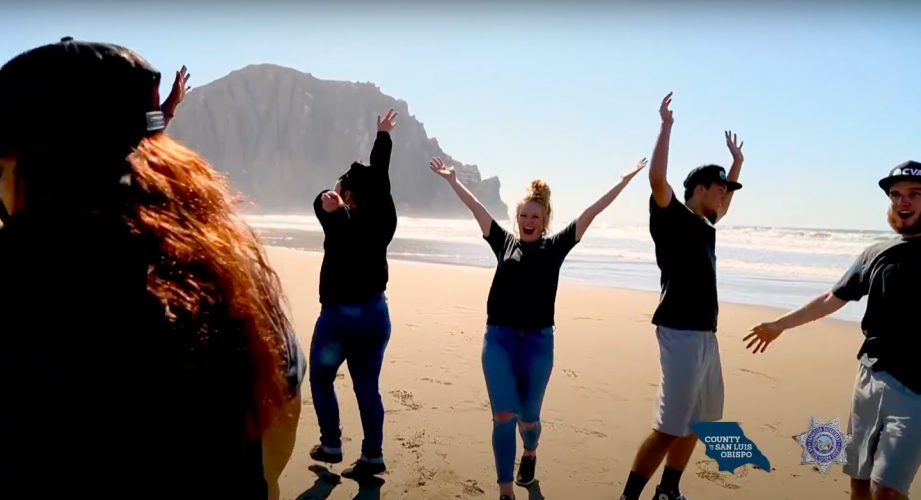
[357, 334]
[517, 366]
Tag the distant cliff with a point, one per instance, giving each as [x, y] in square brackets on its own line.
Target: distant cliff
[281, 136]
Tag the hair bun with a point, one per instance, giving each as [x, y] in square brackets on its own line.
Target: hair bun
[539, 190]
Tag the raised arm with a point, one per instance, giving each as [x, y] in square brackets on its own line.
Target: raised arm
[596, 208]
[176, 95]
[383, 145]
[483, 218]
[735, 148]
[661, 190]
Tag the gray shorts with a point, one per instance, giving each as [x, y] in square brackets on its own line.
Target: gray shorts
[886, 425]
[691, 389]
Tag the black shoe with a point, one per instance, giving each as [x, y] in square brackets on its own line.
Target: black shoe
[320, 455]
[362, 469]
[668, 495]
[526, 471]
[506, 497]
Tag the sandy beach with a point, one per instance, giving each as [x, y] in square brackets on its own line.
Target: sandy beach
[598, 405]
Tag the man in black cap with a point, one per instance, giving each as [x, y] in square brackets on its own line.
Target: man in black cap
[691, 389]
[885, 453]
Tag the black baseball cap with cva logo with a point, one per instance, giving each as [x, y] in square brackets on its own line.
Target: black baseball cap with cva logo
[907, 171]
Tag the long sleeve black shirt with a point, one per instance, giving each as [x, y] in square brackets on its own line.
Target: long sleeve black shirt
[355, 245]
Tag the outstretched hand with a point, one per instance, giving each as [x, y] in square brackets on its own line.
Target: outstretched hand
[629, 174]
[762, 335]
[735, 147]
[446, 171]
[331, 201]
[177, 94]
[387, 123]
[665, 113]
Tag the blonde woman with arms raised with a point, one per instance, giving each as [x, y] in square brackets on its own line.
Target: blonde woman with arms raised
[518, 344]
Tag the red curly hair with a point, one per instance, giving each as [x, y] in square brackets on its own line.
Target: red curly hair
[186, 207]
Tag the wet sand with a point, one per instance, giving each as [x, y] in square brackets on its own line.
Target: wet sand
[598, 407]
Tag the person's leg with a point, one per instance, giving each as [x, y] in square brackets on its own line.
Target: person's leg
[898, 454]
[500, 372]
[535, 364]
[709, 408]
[861, 489]
[326, 356]
[680, 357]
[278, 444]
[864, 425]
[365, 357]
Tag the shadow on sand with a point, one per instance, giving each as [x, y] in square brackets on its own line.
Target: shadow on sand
[326, 482]
[534, 491]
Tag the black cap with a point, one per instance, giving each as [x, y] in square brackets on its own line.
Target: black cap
[74, 92]
[707, 174]
[908, 171]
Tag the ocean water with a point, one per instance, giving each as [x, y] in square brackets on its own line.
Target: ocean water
[767, 266]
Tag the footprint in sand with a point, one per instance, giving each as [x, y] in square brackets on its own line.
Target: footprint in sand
[340, 376]
[708, 471]
[757, 374]
[405, 398]
[570, 373]
[442, 382]
[471, 488]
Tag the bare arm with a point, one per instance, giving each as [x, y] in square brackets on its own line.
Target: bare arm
[816, 309]
[762, 335]
[482, 216]
[596, 208]
[661, 190]
[736, 150]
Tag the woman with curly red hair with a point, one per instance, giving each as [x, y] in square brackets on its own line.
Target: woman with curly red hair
[145, 349]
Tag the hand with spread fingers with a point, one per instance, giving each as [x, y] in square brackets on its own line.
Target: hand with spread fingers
[447, 172]
[762, 335]
[629, 174]
[735, 147]
[331, 201]
[666, 114]
[388, 122]
[177, 94]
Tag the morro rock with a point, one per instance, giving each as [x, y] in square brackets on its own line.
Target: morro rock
[281, 136]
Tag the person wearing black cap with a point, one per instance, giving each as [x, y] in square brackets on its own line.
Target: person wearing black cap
[885, 454]
[145, 349]
[691, 389]
[359, 219]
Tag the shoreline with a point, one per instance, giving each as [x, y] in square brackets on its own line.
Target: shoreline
[571, 282]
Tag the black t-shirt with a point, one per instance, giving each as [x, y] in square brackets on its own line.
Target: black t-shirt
[685, 253]
[355, 245]
[889, 275]
[523, 291]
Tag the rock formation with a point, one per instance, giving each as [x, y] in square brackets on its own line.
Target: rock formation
[281, 136]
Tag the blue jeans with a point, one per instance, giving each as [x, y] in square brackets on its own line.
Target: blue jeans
[517, 366]
[357, 333]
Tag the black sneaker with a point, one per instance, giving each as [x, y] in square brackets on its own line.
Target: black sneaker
[362, 469]
[506, 497]
[320, 455]
[526, 471]
[666, 495]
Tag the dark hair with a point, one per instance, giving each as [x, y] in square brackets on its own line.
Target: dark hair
[355, 181]
[174, 208]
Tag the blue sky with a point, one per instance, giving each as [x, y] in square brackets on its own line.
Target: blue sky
[826, 101]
